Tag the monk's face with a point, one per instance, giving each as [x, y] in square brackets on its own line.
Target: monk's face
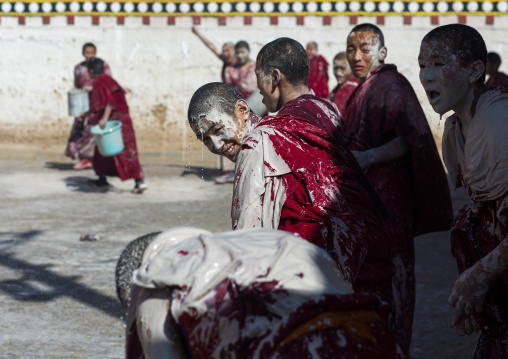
[229, 52]
[341, 70]
[270, 93]
[89, 52]
[221, 133]
[364, 53]
[446, 82]
[242, 55]
[311, 50]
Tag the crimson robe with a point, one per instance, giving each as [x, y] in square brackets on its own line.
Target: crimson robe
[414, 187]
[107, 92]
[499, 80]
[295, 173]
[341, 94]
[242, 78]
[318, 76]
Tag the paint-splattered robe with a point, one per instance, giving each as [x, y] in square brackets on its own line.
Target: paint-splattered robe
[479, 163]
[242, 78]
[107, 92]
[414, 187]
[294, 173]
[252, 294]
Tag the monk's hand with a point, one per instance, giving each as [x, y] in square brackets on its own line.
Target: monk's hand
[102, 122]
[82, 117]
[466, 324]
[468, 294]
[363, 158]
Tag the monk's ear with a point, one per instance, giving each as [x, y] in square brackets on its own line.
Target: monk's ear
[382, 54]
[477, 69]
[242, 109]
[276, 78]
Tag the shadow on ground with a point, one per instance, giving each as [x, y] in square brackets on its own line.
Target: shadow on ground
[85, 184]
[39, 284]
[207, 174]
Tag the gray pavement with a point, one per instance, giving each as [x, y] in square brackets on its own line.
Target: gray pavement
[57, 294]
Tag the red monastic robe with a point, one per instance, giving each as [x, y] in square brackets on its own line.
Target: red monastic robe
[318, 76]
[414, 187]
[341, 94]
[107, 92]
[295, 173]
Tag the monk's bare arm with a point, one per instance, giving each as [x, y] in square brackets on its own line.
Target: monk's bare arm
[105, 117]
[207, 43]
[394, 149]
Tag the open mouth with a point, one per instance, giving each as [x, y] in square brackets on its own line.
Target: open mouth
[433, 95]
[228, 152]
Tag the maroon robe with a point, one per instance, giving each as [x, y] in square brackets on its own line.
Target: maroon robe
[414, 187]
[318, 76]
[107, 92]
[499, 80]
[341, 94]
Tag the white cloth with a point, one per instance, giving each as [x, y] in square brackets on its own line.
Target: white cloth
[193, 265]
[259, 194]
[482, 154]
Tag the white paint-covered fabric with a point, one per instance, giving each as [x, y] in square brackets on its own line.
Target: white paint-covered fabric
[195, 261]
[483, 154]
[259, 194]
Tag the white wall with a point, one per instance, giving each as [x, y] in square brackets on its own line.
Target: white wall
[162, 65]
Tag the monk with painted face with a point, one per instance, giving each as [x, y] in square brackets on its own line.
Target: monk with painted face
[293, 170]
[346, 82]
[452, 63]
[392, 141]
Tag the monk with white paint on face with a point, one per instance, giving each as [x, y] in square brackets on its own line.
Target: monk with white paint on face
[253, 294]
[293, 171]
[346, 82]
[452, 63]
[392, 141]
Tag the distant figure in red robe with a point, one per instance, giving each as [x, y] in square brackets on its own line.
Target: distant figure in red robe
[452, 64]
[293, 170]
[496, 77]
[81, 142]
[346, 82]
[392, 141]
[318, 74]
[107, 102]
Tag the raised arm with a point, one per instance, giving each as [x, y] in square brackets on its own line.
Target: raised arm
[207, 43]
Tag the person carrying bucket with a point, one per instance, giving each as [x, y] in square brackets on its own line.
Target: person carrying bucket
[107, 103]
[81, 142]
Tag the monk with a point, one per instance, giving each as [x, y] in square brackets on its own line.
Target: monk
[496, 77]
[241, 76]
[81, 142]
[253, 293]
[107, 102]
[293, 171]
[229, 60]
[392, 141]
[318, 74]
[452, 64]
[346, 82]
[227, 56]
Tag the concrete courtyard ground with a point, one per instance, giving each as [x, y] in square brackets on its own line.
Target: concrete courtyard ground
[57, 294]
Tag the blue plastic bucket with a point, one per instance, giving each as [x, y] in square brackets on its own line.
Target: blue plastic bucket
[109, 139]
